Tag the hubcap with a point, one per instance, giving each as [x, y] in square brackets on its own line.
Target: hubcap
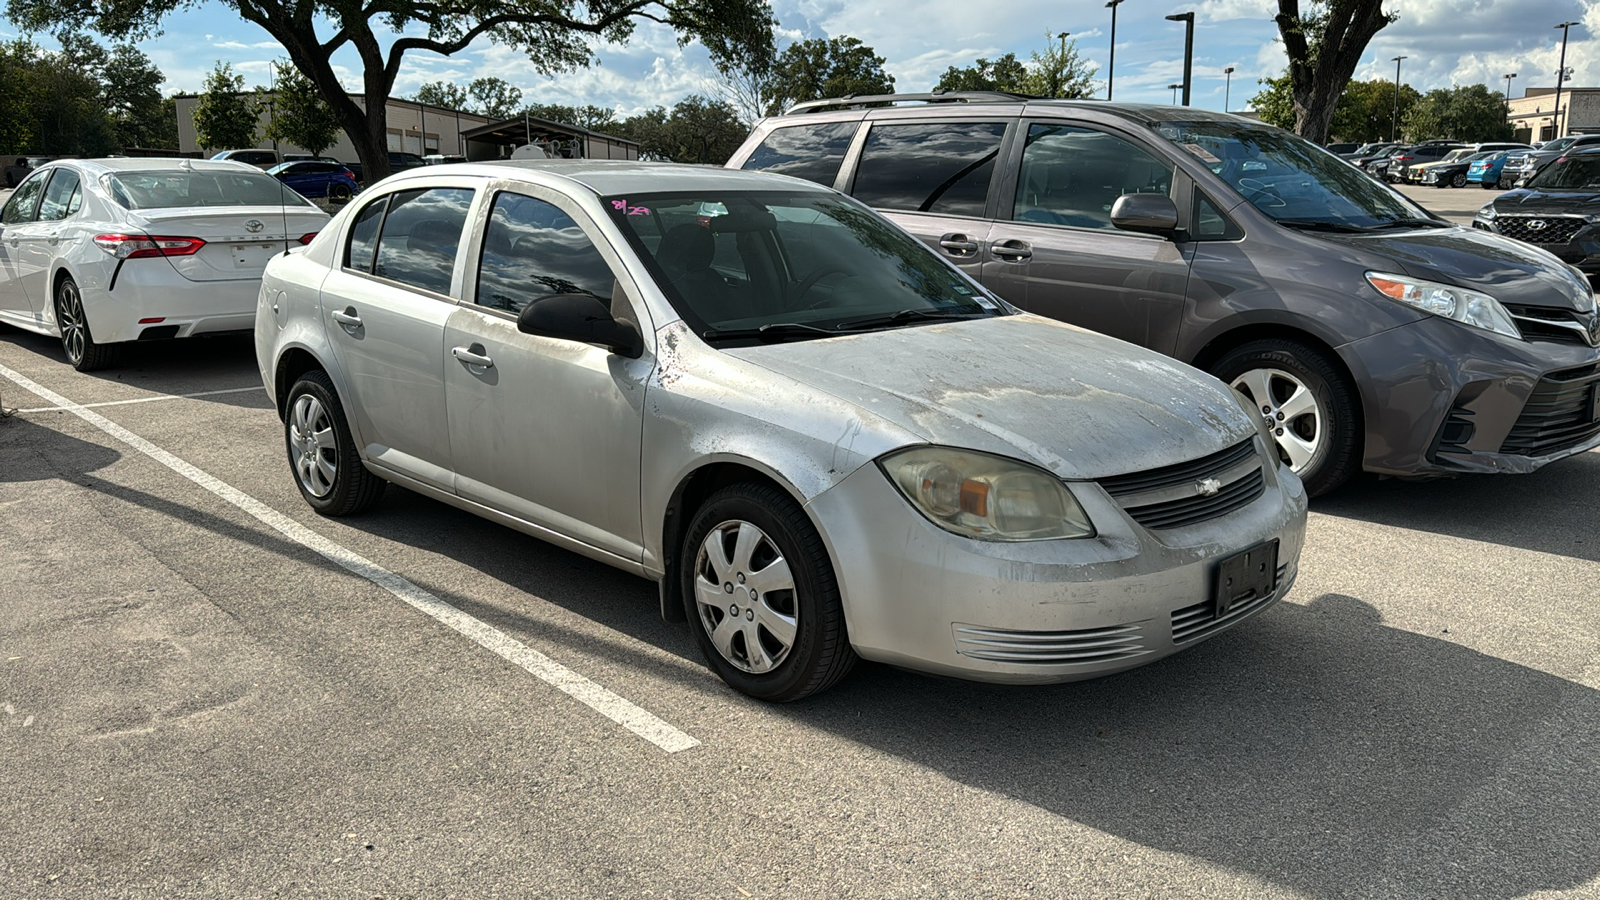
[69, 317]
[1289, 410]
[313, 451]
[755, 631]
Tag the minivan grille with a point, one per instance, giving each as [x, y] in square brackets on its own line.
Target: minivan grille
[1557, 414]
[1090, 645]
[1551, 230]
[1561, 326]
[1201, 619]
[1169, 497]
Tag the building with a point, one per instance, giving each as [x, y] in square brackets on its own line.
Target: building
[1533, 116]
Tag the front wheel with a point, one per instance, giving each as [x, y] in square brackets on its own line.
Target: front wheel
[322, 453]
[77, 341]
[1309, 409]
[761, 595]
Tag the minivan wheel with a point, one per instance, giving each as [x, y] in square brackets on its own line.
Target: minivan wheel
[1458, 180]
[322, 453]
[77, 341]
[761, 595]
[1309, 408]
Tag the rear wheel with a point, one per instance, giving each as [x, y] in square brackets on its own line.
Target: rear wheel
[322, 453]
[1308, 407]
[1458, 180]
[1490, 185]
[339, 193]
[77, 341]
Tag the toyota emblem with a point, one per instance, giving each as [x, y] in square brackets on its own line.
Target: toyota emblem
[254, 225]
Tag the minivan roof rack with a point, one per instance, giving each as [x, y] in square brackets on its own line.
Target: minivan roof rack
[857, 101]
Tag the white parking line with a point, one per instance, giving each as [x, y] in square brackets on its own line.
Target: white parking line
[608, 704]
[156, 398]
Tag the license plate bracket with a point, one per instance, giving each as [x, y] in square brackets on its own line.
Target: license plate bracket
[1245, 577]
[252, 256]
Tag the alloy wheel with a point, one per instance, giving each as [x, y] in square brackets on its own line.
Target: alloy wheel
[313, 447]
[1290, 411]
[745, 596]
[69, 318]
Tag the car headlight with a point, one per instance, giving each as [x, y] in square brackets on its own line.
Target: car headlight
[1449, 301]
[1487, 213]
[986, 497]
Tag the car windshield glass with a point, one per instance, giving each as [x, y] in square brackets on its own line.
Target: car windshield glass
[173, 189]
[780, 265]
[1573, 173]
[1290, 178]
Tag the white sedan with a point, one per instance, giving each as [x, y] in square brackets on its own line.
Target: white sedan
[101, 252]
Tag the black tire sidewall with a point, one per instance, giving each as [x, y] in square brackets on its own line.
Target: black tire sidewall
[1337, 459]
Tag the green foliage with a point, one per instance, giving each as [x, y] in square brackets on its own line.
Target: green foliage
[67, 110]
[132, 97]
[1324, 43]
[1364, 112]
[814, 69]
[495, 98]
[1469, 113]
[17, 132]
[591, 117]
[80, 100]
[299, 115]
[442, 93]
[1004, 74]
[1057, 71]
[697, 130]
[1274, 103]
[225, 116]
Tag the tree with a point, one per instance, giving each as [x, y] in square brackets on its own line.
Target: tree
[495, 98]
[592, 117]
[699, 129]
[130, 91]
[299, 114]
[1004, 74]
[1366, 110]
[1470, 113]
[68, 109]
[557, 35]
[225, 116]
[442, 93]
[1324, 46]
[1057, 71]
[815, 68]
[17, 132]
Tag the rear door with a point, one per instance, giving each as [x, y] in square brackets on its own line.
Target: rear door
[1053, 250]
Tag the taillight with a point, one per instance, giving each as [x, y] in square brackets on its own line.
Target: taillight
[306, 238]
[139, 246]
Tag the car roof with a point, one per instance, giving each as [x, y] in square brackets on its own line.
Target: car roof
[955, 103]
[617, 176]
[113, 165]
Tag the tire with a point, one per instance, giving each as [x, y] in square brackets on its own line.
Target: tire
[1491, 186]
[338, 193]
[756, 529]
[1458, 180]
[1320, 441]
[77, 340]
[318, 440]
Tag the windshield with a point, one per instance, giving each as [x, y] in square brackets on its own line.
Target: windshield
[744, 265]
[174, 189]
[1571, 173]
[1559, 144]
[1291, 179]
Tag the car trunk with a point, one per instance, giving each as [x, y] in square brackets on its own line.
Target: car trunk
[239, 240]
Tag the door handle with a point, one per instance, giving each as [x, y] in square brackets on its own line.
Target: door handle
[1011, 251]
[958, 245]
[472, 356]
[347, 317]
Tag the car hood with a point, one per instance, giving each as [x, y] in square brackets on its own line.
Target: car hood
[1077, 403]
[1532, 202]
[1508, 270]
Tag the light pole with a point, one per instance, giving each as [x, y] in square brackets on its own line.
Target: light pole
[1062, 87]
[1111, 67]
[1174, 88]
[1188, 49]
[1394, 124]
[1508, 93]
[1227, 89]
[1561, 73]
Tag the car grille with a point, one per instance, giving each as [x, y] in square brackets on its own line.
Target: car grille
[1554, 230]
[1090, 645]
[1169, 497]
[1556, 415]
[1201, 619]
[1560, 326]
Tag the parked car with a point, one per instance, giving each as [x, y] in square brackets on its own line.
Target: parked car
[261, 159]
[1487, 171]
[1368, 152]
[104, 251]
[1431, 151]
[1386, 338]
[774, 403]
[440, 159]
[1342, 149]
[1418, 173]
[1556, 212]
[1451, 172]
[1521, 167]
[398, 162]
[317, 179]
[19, 169]
[1414, 173]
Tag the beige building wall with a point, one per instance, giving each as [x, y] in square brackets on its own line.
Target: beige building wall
[1534, 116]
[413, 128]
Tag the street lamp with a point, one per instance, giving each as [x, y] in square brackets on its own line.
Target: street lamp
[1111, 67]
[1561, 73]
[1394, 124]
[1174, 93]
[1227, 90]
[1508, 93]
[1188, 49]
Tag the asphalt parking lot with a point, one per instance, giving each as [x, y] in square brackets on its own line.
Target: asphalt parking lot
[208, 691]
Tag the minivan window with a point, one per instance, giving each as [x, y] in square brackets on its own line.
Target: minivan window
[1573, 173]
[532, 249]
[942, 168]
[1072, 175]
[813, 152]
[420, 236]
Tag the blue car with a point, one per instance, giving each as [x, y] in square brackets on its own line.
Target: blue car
[1486, 171]
[317, 178]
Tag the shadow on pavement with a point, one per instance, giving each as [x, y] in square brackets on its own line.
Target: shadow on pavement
[169, 367]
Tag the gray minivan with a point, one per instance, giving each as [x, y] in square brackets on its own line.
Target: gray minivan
[1370, 333]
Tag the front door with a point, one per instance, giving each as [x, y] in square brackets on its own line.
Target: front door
[1053, 249]
[41, 240]
[546, 430]
[15, 221]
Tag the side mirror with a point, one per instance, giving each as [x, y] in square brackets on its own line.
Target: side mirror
[1145, 213]
[582, 318]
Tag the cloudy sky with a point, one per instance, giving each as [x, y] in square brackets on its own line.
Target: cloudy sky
[1447, 42]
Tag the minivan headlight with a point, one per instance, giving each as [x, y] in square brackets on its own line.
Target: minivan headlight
[986, 497]
[1447, 300]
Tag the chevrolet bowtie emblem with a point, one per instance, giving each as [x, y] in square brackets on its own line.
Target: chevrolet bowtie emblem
[1208, 487]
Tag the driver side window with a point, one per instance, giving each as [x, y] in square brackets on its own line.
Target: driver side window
[1072, 176]
[24, 203]
[532, 249]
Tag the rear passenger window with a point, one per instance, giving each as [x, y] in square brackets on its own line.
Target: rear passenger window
[812, 152]
[943, 168]
[60, 197]
[532, 249]
[420, 235]
[364, 235]
[1071, 176]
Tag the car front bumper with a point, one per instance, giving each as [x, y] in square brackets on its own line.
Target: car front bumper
[1042, 612]
[152, 289]
[1582, 250]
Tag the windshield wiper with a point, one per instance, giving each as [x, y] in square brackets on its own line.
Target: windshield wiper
[772, 331]
[1321, 225]
[906, 315]
[1408, 223]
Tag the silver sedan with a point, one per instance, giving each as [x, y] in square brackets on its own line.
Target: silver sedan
[820, 439]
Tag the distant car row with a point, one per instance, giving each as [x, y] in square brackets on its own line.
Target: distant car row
[1435, 163]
